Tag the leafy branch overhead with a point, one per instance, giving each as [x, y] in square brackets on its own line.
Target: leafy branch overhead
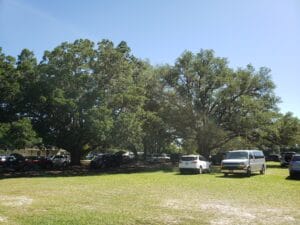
[84, 96]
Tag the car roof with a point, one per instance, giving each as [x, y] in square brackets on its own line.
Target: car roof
[191, 155]
[248, 150]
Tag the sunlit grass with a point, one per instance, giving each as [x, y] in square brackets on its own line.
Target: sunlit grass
[152, 198]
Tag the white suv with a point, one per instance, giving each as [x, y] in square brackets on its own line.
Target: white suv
[61, 160]
[194, 163]
[244, 161]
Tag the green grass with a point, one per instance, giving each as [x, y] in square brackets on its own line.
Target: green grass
[152, 198]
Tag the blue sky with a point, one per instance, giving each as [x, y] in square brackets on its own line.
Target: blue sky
[261, 32]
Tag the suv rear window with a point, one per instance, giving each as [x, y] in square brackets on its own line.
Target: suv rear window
[188, 158]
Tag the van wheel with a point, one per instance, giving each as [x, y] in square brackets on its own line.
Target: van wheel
[248, 172]
[200, 170]
[263, 170]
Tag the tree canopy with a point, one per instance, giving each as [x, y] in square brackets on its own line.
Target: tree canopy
[84, 96]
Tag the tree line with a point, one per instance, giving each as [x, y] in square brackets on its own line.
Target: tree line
[86, 97]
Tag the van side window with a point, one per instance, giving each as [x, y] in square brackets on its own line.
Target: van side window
[258, 155]
[251, 155]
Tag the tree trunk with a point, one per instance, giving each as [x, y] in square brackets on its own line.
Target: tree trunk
[75, 157]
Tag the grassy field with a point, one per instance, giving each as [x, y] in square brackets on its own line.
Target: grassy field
[161, 197]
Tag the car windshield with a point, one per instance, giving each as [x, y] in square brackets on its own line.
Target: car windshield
[296, 158]
[188, 158]
[237, 155]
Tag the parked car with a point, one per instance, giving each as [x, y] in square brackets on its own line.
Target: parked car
[243, 162]
[106, 160]
[126, 156]
[286, 158]
[60, 160]
[38, 162]
[158, 158]
[194, 163]
[294, 167]
[273, 157]
[13, 161]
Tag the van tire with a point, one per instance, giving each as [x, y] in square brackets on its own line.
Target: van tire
[263, 170]
[225, 174]
[248, 172]
[200, 170]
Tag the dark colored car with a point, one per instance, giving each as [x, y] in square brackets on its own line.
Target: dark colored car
[273, 157]
[38, 162]
[294, 167]
[13, 161]
[286, 157]
[125, 156]
[107, 160]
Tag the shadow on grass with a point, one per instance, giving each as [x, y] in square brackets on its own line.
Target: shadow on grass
[236, 176]
[294, 178]
[276, 166]
[74, 171]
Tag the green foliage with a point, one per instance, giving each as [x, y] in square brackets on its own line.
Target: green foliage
[9, 88]
[18, 134]
[84, 96]
[91, 97]
[213, 103]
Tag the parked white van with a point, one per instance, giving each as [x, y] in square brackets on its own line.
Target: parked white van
[244, 161]
[194, 163]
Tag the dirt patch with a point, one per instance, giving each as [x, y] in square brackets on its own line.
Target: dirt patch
[228, 214]
[3, 219]
[15, 201]
[225, 213]
[168, 219]
[175, 204]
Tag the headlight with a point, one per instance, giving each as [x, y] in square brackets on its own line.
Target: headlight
[242, 164]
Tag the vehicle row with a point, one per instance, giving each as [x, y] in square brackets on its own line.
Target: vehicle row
[110, 160]
[18, 162]
[239, 162]
[235, 162]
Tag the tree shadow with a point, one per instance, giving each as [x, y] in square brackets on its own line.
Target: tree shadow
[236, 176]
[294, 178]
[276, 166]
[74, 171]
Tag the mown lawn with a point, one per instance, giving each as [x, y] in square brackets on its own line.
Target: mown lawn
[152, 198]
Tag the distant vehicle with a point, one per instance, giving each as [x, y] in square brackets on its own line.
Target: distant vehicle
[243, 162]
[126, 156]
[158, 158]
[13, 161]
[61, 161]
[273, 157]
[38, 162]
[194, 163]
[286, 158]
[106, 160]
[90, 156]
[294, 167]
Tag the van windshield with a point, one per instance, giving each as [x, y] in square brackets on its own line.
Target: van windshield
[237, 155]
